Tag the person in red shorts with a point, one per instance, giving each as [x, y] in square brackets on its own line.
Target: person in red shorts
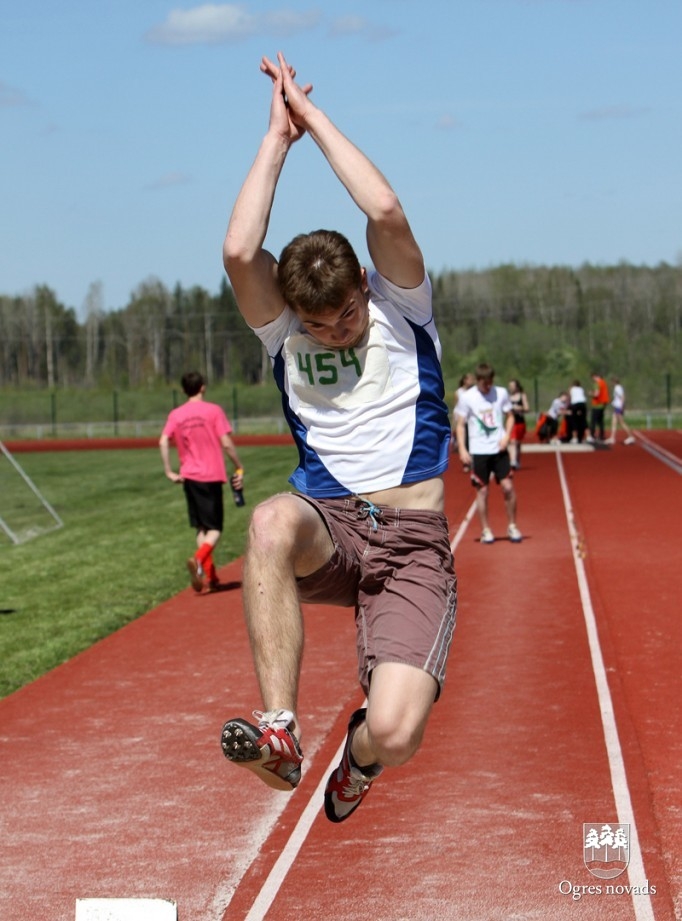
[520, 407]
[201, 432]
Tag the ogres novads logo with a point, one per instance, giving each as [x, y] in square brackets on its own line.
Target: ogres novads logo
[606, 849]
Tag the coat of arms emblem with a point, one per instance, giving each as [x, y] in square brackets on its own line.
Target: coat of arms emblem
[606, 849]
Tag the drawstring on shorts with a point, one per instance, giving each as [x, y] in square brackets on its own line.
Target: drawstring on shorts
[371, 511]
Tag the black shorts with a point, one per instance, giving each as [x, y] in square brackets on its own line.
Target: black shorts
[485, 465]
[204, 505]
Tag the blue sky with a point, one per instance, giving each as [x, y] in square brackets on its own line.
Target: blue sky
[527, 131]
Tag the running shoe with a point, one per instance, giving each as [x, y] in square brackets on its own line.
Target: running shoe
[514, 535]
[630, 440]
[196, 574]
[487, 537]
[269, 749]
[348, 785]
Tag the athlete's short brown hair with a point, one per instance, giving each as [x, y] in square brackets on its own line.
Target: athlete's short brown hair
[192, 382]
[484, 372]
[317, 271]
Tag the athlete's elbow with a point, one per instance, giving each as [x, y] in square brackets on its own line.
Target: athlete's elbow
[234, 254]
[387, 207]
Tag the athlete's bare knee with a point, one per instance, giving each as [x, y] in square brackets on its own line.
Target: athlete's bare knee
[271, 526]
[394, 742]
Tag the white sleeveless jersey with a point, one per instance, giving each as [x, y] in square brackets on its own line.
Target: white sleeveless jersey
[369, 417]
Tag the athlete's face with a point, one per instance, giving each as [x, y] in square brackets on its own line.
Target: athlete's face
[343, 327]
[485, 386]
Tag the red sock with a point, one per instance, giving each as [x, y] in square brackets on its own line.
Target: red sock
[209, 569]
[203, 553]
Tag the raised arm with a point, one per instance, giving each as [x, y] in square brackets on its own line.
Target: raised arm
[252, 270]
[392, 246]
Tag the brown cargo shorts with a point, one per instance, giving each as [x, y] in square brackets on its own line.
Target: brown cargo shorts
[395, 567]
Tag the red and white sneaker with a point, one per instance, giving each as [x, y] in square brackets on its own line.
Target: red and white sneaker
[348, 785]
[270, 749]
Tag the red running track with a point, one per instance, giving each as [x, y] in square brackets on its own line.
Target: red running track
[114, 785]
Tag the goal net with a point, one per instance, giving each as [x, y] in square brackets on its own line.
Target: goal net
[24, 511]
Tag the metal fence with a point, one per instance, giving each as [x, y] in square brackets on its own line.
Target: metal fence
[251, 410]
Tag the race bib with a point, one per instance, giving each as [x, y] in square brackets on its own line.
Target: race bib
[338, 378]
[487, 420]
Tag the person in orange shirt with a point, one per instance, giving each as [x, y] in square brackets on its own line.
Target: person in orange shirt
[600, 400]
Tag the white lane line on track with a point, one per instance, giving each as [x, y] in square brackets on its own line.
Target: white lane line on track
[462, 528]
[662, 454]
[641, 903]
[283, 864]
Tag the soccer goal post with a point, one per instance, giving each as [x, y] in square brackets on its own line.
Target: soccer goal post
[24, 511]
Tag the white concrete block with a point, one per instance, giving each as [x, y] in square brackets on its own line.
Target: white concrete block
[126, 910]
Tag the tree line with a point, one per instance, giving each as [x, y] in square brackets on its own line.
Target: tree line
[528, 321]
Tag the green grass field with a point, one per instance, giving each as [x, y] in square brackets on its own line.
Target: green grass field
[121, 552]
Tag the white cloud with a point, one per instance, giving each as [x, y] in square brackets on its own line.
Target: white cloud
[348, 25]
[358, 25]
[214, 24]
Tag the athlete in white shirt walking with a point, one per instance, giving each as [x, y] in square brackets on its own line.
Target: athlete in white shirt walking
[486, 412]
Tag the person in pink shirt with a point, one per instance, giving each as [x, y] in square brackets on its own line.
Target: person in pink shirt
[201, 432]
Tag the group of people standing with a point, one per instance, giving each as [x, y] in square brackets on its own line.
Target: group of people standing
[567, 418]
[489, 426]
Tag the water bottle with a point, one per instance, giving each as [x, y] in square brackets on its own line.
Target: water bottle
[237, 494]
